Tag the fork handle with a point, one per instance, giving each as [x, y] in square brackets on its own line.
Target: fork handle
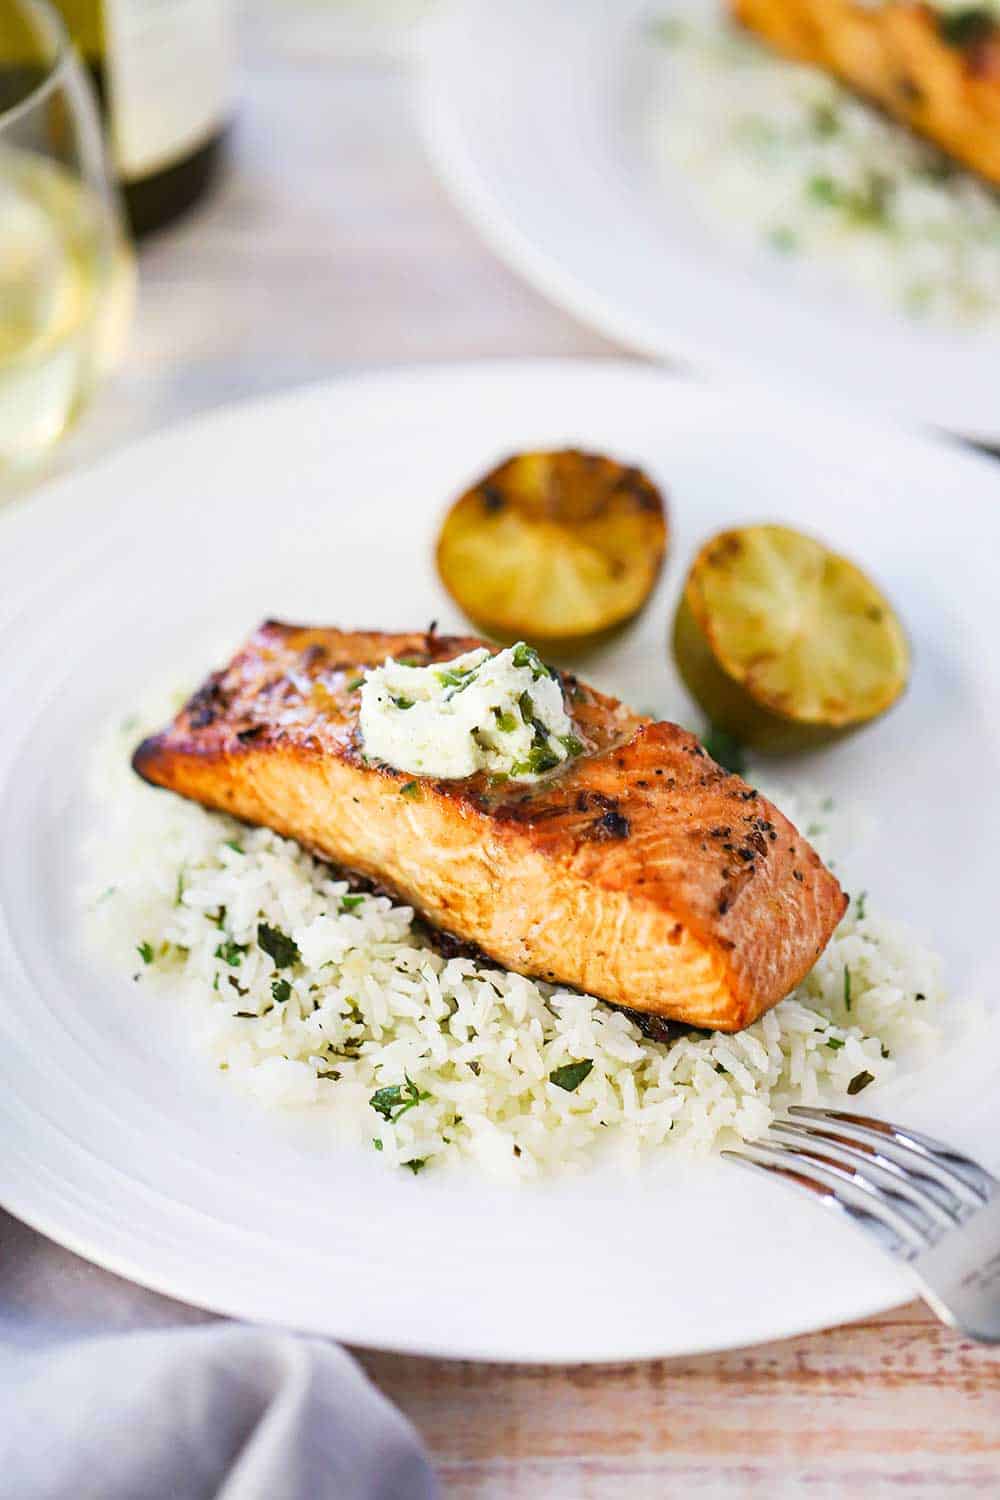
[960, 1275]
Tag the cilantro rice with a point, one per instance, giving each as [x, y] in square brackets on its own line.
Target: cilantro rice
[312, 995]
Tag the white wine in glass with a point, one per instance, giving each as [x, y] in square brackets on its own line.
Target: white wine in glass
[66, 270]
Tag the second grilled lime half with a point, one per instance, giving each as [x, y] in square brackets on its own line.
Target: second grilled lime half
[785, 644]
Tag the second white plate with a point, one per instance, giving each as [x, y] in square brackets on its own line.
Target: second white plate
[537, 117]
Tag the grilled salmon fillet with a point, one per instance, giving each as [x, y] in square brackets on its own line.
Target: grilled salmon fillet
[938, 73]
[640, 872]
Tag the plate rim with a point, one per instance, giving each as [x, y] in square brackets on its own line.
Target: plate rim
[234, 1308]
[21, 509]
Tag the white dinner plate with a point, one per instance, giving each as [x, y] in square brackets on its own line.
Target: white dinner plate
[122, 1143]
[538, 118]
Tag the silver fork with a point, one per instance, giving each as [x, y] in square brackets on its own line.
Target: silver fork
[924, 1202]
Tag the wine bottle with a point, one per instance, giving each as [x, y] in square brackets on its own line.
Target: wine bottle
[163, 73]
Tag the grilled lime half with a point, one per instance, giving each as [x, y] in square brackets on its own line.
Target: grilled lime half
[784, 644]
[554, 547]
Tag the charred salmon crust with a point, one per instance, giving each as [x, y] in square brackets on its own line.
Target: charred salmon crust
[640, 872]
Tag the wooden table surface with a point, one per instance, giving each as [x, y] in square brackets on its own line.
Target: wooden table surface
[331, 248]
[894, 1406]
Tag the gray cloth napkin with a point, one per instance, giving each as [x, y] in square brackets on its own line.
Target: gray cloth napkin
[218, 1411]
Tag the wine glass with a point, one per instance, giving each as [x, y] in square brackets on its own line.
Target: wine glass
[66, 269]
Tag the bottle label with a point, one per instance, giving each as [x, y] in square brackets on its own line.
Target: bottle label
[169, 78]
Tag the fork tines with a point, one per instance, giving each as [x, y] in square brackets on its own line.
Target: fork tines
[924, 1202]
[904, 1186]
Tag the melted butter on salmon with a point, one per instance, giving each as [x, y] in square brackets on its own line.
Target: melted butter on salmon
[639, 872]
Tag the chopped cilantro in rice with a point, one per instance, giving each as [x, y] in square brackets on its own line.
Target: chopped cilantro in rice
[313, 995]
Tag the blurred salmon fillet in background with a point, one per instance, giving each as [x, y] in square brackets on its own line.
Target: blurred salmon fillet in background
[938, 73]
